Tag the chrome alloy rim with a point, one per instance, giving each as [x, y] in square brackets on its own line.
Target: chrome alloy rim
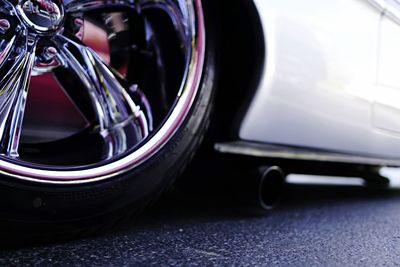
[39, 38]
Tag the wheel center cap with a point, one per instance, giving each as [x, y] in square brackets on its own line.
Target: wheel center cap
[41, 15]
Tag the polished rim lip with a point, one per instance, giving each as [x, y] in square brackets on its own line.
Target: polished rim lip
[154, 144]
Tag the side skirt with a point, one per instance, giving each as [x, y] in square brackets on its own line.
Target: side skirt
[292, 153]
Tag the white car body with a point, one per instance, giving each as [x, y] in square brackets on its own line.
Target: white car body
[331, 77]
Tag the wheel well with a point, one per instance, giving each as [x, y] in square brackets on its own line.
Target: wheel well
[241, 50]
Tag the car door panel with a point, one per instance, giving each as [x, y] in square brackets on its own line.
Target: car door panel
[386, 107]
[320, 77]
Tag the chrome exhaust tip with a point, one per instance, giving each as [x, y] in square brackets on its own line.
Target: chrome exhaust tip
[263, 190]
[270, 187]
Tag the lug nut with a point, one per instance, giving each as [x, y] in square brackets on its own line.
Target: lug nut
[4, 25]
[79, 28]
[78, 22]
[48, 54]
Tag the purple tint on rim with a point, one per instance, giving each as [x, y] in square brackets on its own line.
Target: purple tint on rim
[151, 147]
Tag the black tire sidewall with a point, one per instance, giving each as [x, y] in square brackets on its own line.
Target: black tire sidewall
[29, 208]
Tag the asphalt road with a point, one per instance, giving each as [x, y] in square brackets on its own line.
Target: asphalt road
[314, 226]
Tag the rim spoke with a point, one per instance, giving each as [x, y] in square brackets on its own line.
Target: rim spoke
[113, 106]
[176, 12]
[13, 92]
[79, 6]
[6, 52]
[6, 8]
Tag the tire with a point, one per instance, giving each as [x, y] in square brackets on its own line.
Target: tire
[42, 210]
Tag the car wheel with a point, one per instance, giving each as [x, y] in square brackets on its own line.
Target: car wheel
[103, 103]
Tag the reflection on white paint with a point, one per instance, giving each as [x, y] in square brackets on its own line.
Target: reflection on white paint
[323, 180]
[393, 174]
[320, 77]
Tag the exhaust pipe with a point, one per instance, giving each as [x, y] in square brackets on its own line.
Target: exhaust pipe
[262, 191]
